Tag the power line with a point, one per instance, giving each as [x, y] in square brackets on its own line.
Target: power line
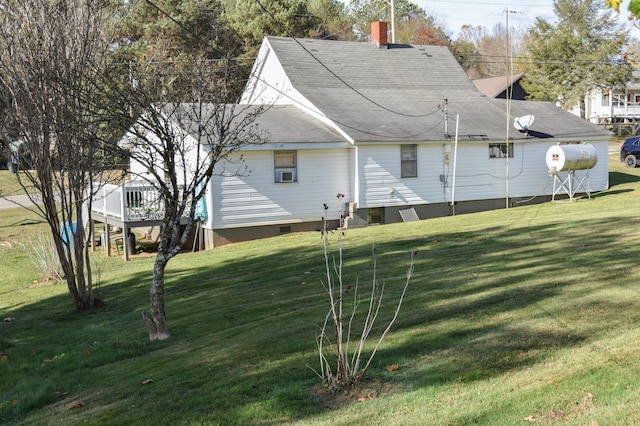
[523, 60]
[484, 3]
[184, 28]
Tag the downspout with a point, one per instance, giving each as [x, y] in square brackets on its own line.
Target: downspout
[455, 162]
[356, 187]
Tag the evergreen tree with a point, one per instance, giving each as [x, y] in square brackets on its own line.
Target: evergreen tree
[584, 49]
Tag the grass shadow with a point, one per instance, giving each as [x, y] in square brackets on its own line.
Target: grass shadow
[620, 178]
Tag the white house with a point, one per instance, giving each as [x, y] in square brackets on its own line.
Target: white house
[393, 111]
[394, 129]
[611, 104]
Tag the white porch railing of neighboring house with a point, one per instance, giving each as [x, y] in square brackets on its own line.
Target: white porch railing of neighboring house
[632, 110]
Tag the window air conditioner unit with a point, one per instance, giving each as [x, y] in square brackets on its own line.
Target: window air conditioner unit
[286, 175]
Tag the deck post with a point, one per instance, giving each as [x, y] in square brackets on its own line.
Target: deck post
[125, 241]
[107, 237]
[123, 201]
[92, 233]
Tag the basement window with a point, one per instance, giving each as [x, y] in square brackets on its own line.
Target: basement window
[408, 161]
[376, 215]
[285, 230]
[499, 150]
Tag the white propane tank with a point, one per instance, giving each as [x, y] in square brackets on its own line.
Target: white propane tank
[578, 156]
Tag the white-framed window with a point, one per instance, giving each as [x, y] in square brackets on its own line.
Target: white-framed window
[499, 150]
[408, 161]
[618, 99]
[285, 166]
[605, 98]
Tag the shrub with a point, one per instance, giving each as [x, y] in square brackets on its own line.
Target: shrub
[44, 257]
[350, 365]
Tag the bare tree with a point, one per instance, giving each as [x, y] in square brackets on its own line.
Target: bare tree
[50, 67]
[489, 56]
[179, 146]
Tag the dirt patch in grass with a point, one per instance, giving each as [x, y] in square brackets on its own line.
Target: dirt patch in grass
[330, 399]
[573, 410]
[42, 282]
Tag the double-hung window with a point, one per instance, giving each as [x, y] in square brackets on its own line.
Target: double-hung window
[408, 161]
[285, 166]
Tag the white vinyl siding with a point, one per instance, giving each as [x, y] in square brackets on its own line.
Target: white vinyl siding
[478, 177]
[380, 181]
[254, 199]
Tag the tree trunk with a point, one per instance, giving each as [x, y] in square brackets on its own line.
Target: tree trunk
[156, 321]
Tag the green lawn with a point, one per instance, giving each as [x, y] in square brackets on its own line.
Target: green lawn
[9, 184]
[523, 316]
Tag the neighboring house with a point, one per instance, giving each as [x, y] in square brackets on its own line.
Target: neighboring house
[393, 129]
[496, 87]
[609, 104]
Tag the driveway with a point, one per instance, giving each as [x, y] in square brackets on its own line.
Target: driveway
[15, 201]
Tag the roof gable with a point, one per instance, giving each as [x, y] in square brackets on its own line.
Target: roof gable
[494, 86]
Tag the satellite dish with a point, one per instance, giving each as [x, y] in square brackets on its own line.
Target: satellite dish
[523, 123]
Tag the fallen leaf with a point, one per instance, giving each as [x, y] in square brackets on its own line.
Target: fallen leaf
[87, 352]
[393, 367]
[146, 382]
[75, 404]
[529, 419]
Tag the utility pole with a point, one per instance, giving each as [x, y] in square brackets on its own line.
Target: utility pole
[506, 189]
[508, 95]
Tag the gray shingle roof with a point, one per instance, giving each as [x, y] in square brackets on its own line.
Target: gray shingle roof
[550, 121]
[288, 124]
[276, 123]
[398, 94]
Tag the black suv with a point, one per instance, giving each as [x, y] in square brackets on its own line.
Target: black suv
[630, 151]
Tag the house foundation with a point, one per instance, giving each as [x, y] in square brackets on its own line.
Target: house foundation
[362, 218]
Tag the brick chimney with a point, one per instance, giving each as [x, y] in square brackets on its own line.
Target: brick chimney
[379, 34]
